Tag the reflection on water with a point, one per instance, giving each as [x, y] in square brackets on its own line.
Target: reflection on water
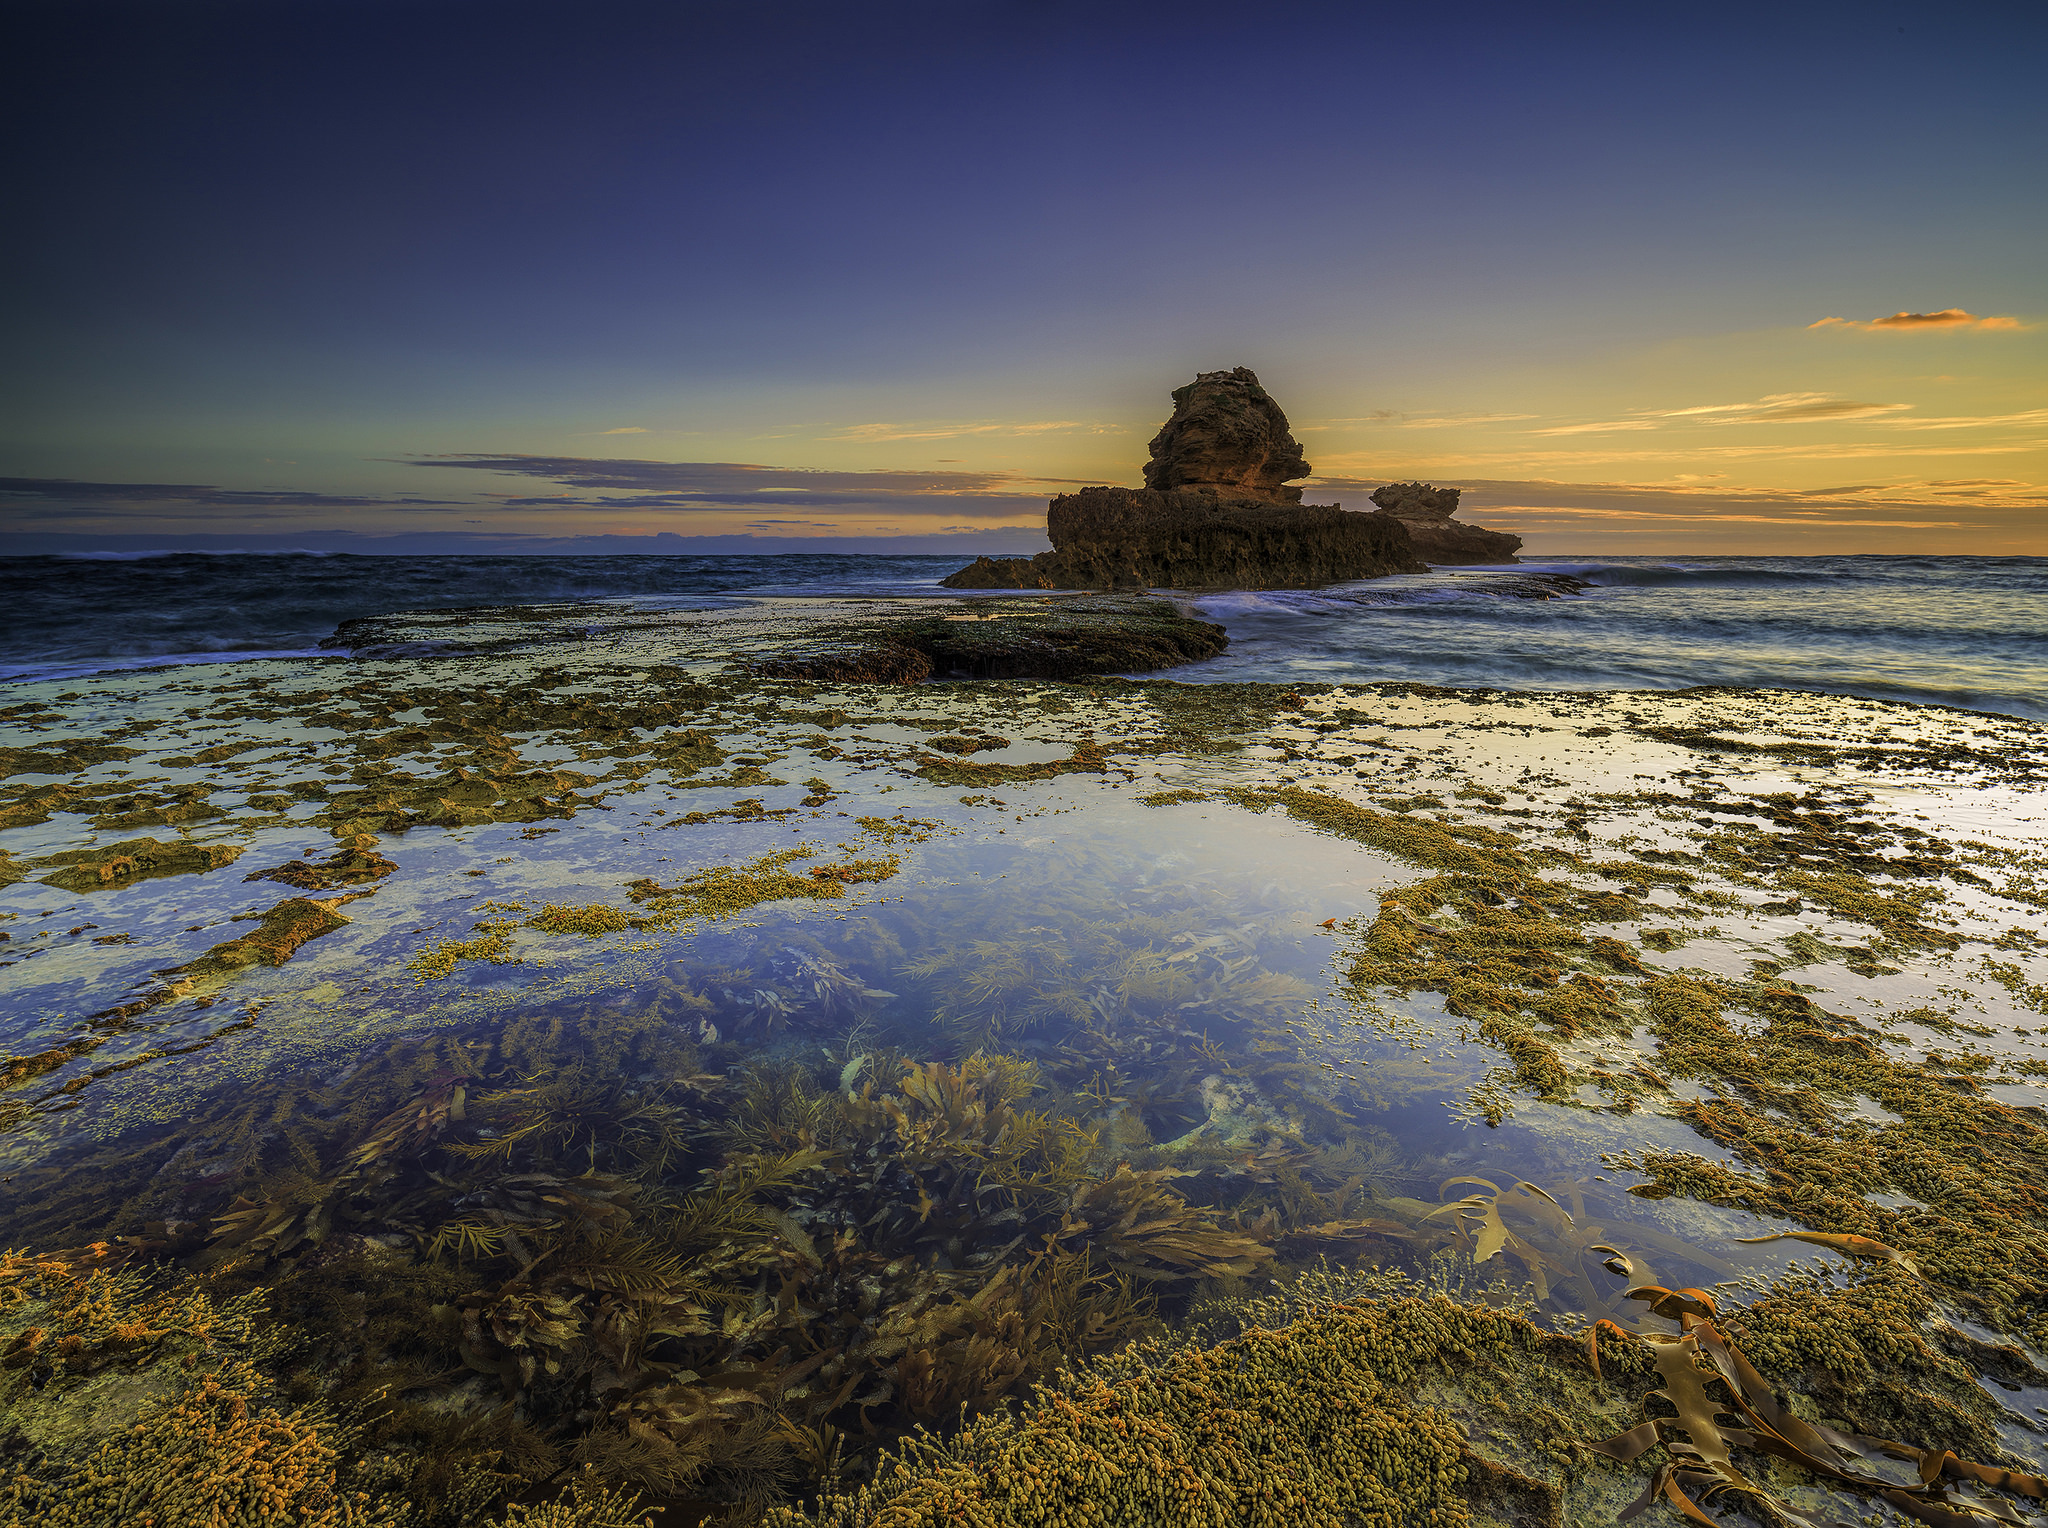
[708, 1085]
[1099, 1034]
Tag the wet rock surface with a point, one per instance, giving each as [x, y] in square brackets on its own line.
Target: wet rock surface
[1214, 513]
[1425, 512]
[1038, 639]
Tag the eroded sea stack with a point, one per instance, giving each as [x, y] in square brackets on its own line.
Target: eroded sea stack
[1215, 513]
[1426, 511]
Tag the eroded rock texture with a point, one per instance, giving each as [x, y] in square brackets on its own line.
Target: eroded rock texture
[1227, 433]
[1196, 538]
[1426, 511]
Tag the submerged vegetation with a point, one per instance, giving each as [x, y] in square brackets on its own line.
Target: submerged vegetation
[1007, 1157]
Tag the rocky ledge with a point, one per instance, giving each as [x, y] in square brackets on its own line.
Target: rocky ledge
[1215, 513]
[1425, 511]
[1196, 538]
[1005, 639]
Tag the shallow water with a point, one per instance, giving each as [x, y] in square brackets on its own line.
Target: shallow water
[1117, 928]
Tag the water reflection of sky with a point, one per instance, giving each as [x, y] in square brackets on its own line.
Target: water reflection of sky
[1192, 935]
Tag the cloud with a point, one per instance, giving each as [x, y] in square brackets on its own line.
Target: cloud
[1772, 408]
[626, 429]
[1677, 453]
[133, 497]
[1946, 318]
[1597, 429]
[1971, 422]
[1448, 421]
[567, 485]
[1413, 422]
[1514, 504]
[624, 483]
[1863, 514]
[953, 429]
[1572, 512]
[1780, 408]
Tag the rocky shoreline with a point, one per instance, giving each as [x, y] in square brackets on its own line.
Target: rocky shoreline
[708, 1084]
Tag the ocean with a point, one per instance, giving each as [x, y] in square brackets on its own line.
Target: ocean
[1970, 632]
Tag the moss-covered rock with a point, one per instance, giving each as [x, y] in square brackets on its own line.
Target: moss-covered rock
[982, 639]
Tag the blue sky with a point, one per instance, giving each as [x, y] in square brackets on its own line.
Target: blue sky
[902, 270]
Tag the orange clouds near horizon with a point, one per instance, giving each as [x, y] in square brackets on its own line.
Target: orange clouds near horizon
[1946, 318]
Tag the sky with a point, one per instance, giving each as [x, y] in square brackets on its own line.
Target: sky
[444, 276]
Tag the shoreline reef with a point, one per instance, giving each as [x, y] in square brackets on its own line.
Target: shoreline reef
[1216, 513]
[538, 1067]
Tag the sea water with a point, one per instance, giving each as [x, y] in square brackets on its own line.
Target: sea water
[1959, 631]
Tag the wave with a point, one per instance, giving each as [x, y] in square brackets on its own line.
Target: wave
[1962, 631]
[85, 668]
[146, 555]
[84, 613]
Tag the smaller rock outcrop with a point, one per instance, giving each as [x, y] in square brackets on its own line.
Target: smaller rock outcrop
[1426, 511]
[1004, 639]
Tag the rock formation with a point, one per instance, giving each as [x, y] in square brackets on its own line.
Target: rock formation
[1003, 639]
[1426, 511]
[1226, 433]
[1214, 513]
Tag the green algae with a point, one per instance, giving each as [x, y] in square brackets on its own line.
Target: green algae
[1179, 797]
[1159, 1080]
[1975, 1163]
[993, 638]
[721, 890]
[120, 864]
[592, 922]
[490, 943]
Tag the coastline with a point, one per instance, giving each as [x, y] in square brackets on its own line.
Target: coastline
[1725, 963]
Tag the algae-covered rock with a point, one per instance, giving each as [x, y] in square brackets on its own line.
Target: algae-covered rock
[211, 1457]
[355, 860]
[1063, 639]
[1313, 1423]
[276, 938]
[122, 864]
[61, 758]
[1001, 573]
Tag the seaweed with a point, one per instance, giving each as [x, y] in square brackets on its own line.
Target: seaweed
[135, 859]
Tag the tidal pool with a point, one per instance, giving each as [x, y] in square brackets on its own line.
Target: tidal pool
[556, 1060]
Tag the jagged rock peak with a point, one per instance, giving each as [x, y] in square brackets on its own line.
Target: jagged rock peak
[1417, 501]
[1226, 432]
